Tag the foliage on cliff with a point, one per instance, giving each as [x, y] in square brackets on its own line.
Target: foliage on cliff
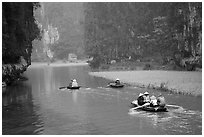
[19, 30]
[164, 31]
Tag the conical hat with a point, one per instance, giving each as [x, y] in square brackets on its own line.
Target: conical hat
[146, 93]
[152, 97]
[141, 94]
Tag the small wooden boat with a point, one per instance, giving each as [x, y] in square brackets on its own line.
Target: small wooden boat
[155, 109]
[68, 87]
[148, 108]
[113, 85]
[73, 87]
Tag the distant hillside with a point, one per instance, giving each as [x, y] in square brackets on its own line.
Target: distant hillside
[68, 19]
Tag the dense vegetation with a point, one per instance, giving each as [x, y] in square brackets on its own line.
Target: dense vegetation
[163, 32]
[18, 31]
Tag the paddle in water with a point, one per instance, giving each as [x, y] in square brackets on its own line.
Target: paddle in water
[146, 104]
[63, 87]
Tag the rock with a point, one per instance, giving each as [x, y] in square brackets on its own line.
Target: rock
[12, 72]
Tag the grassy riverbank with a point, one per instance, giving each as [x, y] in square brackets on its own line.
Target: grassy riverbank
[182, 82]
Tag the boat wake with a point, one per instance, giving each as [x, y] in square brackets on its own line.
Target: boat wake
[174, 108]
[171, 109]
[177, 119]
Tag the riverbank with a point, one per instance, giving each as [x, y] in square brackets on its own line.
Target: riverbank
[182, 82]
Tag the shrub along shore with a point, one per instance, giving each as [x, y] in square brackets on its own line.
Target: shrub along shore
[181, 82]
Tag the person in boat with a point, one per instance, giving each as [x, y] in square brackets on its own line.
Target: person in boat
[153, 101]
[117, 81]
[161, 101]
[70, 84]
[140, 99]
[74, 83]
[146, 97]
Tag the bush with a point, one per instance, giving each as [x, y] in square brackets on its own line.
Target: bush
[105, 66]
[147, 67]
[95, 63]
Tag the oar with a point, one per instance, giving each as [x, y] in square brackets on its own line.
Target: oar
[108, 86]
[62, 87]
[136, 107]
[109, 83]
[146, 104]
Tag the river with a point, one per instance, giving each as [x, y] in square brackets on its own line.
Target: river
[38, 106]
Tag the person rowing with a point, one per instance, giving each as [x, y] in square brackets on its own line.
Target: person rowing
[117, 81]
[146, 97]
[70, 84]
[153, 101]
[161, 101]
[140, 99]
[73, 83]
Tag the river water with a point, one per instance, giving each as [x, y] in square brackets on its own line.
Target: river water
[38, 106]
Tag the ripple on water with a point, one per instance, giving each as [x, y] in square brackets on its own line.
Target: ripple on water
[39, 131]
[176, 121]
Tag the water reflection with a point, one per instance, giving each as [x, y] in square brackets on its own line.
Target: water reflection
[74, 96]
[18, 112]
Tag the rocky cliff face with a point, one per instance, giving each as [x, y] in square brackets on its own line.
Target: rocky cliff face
[12, 72]
[18, 31]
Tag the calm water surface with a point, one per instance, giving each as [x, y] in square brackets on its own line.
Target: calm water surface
[37, 106]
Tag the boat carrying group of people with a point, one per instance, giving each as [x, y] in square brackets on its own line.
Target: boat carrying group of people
[146, 100]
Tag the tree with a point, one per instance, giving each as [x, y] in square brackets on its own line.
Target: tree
[120, 30]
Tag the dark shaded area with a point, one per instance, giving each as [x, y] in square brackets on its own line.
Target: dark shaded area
[18, 111]
[19, 30]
